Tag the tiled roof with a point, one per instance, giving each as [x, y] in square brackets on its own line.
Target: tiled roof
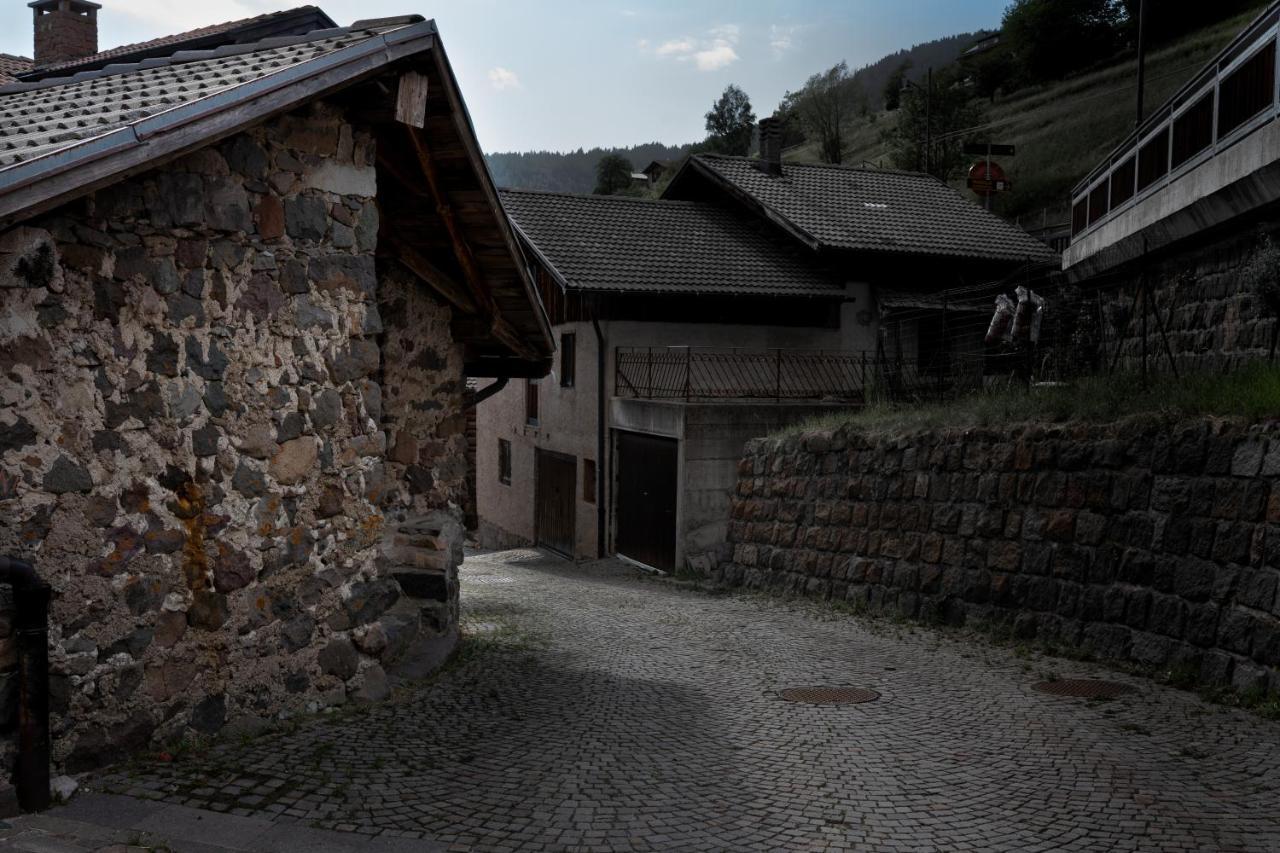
[42, 118]
[259, 25]
[877, 210]
[645, 245]
[11, 66]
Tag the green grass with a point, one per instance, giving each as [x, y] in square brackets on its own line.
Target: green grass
[1251, 393]
[1063, 130]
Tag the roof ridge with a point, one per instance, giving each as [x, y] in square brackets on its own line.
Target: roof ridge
[181, 57]
[837, 167]
[595, 197]
[175, 39]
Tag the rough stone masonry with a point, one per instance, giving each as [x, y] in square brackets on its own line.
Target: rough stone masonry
[1142, 541]
[232, 442]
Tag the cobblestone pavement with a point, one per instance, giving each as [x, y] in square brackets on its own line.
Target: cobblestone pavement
[595, 710]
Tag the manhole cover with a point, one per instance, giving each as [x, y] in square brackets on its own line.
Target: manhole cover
[829, 695]
[1084, 688]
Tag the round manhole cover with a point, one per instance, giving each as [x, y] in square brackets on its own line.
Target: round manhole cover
[1084, 688]
[829, 695]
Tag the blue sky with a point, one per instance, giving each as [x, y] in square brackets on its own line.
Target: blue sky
[559, 74]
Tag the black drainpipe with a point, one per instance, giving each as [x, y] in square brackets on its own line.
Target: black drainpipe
[31, 602]
[485, 393]
[601, 466]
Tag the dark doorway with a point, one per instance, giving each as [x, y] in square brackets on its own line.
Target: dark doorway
[557, 477]
[647, 499]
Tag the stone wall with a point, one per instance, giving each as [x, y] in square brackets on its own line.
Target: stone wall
[1140, 541]
[1214, 318]
[199, 388]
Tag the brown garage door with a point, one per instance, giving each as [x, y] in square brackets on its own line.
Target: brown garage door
[647, 499]
[557, 478]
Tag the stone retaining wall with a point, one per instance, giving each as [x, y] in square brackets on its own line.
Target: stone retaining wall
[1140, 542]
[230, 440]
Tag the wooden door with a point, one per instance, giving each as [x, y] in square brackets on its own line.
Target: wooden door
[557, 477]
[647, 470]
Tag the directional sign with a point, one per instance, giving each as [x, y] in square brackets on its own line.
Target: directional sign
[983, 150]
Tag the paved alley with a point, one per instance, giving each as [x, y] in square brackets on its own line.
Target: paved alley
[593, 709]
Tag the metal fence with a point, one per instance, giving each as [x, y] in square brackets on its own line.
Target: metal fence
[848, 376]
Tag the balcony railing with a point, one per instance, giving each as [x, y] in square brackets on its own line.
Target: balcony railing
[1227, 101]
[706, 373]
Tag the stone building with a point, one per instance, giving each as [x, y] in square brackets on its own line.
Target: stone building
[752, 294]
[242, 281]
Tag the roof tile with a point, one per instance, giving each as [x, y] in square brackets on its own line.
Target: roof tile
[645, 245]
[881, 210]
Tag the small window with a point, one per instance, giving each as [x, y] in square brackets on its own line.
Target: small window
[1153, 160]
[568, 359]
[589, 480]
[1193, 131]
[1247, 91]
[504, 461]
[531, 402]
[1122, 182]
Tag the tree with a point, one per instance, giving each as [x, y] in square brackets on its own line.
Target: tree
[1168, 19]
[1052, 38]
[731, 122]
[825, 103]
[930, 133]
[893, 88]
[788, 113]
[613, 174]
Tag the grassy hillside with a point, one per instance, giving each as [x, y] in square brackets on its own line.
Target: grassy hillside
[1062, 130]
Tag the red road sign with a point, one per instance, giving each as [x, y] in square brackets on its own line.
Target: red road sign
[987, 179]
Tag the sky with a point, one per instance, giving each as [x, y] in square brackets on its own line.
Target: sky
[563, 74]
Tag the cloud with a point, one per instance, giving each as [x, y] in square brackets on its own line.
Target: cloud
[165, 16]
[677, 47]
[782, 39]
[716, 57]
[503, 78]
[712, 52]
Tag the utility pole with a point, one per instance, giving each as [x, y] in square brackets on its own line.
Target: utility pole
[1142, 56]
[928, 124]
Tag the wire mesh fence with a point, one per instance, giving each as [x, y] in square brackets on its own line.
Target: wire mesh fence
[1031, 327]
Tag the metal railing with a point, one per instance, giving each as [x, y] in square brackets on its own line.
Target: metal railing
[1230, 99]
[847, 376]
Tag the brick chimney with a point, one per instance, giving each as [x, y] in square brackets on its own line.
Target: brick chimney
[770, 146]
[65, 30]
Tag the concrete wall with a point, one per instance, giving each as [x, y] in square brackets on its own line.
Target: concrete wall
[568, 416]
[1144, 541]
[711, 441]
[199, 370]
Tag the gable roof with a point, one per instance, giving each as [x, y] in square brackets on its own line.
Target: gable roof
[11, 66]
[297, 21]
[867, 210]
[621, 244]
[63, 137]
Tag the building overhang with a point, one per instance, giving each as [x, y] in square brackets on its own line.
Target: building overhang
[1233, 185]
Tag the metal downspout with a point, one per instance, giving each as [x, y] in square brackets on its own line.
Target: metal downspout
[601, 466]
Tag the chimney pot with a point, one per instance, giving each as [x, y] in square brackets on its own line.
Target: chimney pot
[64, 30]
[771, 146]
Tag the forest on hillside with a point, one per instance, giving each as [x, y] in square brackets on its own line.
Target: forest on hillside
[575, 171]
[571, 171]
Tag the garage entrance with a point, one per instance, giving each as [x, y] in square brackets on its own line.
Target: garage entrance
[557, 476]
[647, 475]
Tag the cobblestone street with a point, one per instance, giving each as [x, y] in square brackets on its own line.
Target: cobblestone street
[593, 709]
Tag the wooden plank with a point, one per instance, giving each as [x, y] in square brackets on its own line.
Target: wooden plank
[439, 280]
[411, 99]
